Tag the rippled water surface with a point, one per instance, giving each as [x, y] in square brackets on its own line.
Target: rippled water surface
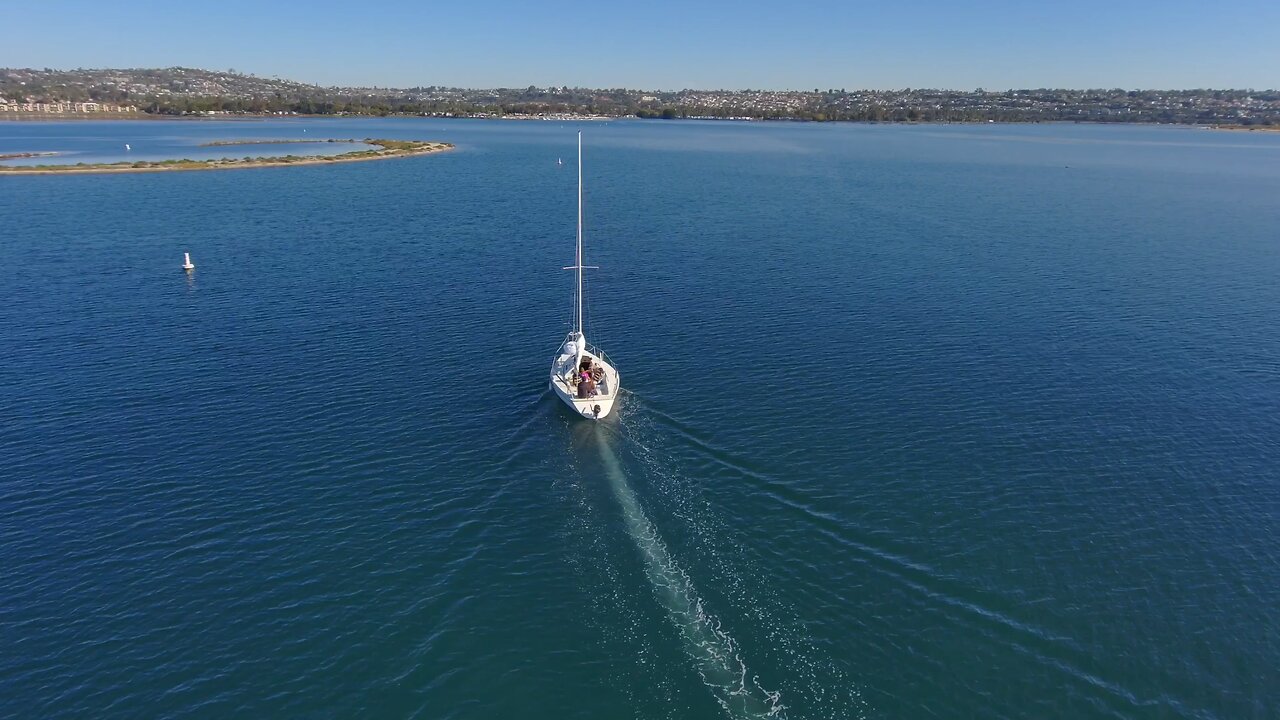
[70, 143]
[970, 421]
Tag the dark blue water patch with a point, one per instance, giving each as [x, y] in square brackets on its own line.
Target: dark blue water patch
[969, 420]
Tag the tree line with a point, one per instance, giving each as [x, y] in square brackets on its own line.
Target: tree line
[813, 112]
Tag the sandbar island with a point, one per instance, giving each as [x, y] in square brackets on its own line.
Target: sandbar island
[381, 149]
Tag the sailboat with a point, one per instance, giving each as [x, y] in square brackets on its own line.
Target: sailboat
[581, 375]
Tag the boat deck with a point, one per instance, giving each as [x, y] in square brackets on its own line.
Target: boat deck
[570, 387]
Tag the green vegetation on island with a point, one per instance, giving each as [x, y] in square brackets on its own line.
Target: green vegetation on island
[382, 149]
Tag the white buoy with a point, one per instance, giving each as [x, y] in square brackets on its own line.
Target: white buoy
[186, 262]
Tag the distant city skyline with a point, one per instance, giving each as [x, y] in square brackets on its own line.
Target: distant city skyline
[664, 45]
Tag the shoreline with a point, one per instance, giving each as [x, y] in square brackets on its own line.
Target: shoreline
[570, 117]
[232, 143]
[28, 155]
[1245, 128]
[391, 149]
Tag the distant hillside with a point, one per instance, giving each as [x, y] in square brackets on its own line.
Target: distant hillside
[134, 85]
[181, 91]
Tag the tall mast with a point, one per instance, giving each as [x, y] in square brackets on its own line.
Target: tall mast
[578, 260]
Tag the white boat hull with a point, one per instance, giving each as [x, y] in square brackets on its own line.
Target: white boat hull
[595, 407]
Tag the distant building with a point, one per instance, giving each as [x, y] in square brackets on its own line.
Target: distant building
[61, 108]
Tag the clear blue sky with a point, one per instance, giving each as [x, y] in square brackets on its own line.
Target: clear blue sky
[661, 44]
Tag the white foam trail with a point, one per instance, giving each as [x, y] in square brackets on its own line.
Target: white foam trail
[713, 651]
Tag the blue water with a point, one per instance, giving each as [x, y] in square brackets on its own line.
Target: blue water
[69, 143]
[920, 421]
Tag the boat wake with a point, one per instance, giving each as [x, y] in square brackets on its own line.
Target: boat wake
[816, 684]
[713, 651]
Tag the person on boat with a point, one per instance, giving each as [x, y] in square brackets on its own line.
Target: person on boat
[596, 371]
[586, 386]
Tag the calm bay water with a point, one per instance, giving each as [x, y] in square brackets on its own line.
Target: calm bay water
[111, 142]
[966, 421]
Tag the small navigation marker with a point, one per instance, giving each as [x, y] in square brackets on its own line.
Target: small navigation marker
[186, 262]
[126, 146]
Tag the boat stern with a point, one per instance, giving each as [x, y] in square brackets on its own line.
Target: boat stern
[592, 408]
